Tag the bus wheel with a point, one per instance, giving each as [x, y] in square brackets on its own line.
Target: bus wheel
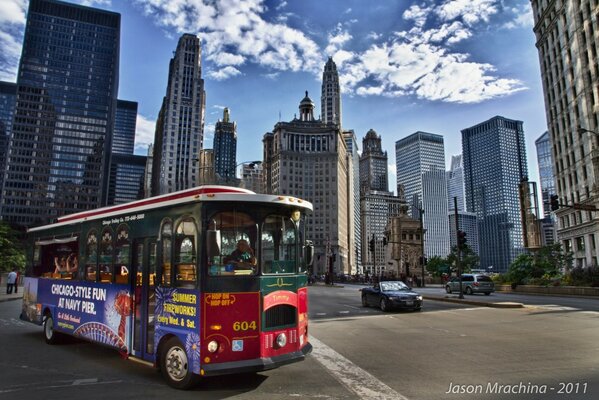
[175, 366]
[49, 334]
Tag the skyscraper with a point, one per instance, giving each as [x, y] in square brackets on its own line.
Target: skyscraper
[123, 140]
[67, 87]
[567, 43]
[545, 163]
[307, 158]
[494, 164]
[351, 142]
[126, 178]
[8, 98]
[225, 147]
[373, 164]
[455, 184]
[330, 99]
[179, 133]
[420, 159]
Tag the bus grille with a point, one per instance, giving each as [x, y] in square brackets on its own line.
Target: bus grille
[279, 316]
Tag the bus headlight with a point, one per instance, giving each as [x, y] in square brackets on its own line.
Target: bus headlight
[281, 340]
[213, 346]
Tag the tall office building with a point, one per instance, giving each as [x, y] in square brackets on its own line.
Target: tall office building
[127, 173]
[420, 158]
[494, 164]
[225, 147]
[251, 177]
[179, 132]
[468, 224]
[351, 142]
[125, 121]
[206, 167]
[67, 84]
[376, 209]
[455, 184]
[8, 98]
[330, 98]
[567, 42]
[545, 163]
[373, 164]
[148, 172]
[434, 204]
[307, 158]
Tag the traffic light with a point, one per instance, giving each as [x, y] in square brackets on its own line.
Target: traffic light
[372, 244]
[461, 239]
[554, 202]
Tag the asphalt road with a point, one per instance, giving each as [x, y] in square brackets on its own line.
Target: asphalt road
[358, 354]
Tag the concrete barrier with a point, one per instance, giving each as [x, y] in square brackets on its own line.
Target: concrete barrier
[551, 290]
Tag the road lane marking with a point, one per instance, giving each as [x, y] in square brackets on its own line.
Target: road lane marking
[352, 377]
[343, 312]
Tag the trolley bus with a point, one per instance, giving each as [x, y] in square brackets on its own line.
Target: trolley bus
[201, 282]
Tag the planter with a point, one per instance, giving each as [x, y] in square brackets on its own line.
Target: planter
[551, 290]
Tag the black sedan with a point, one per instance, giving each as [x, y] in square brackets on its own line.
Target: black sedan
[391, 294]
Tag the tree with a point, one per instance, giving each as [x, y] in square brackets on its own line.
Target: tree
[520, 269]
[547, 262]
[468, 258]
[12, 254]
[437, 266]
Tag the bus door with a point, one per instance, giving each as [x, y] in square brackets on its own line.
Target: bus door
[144, 276]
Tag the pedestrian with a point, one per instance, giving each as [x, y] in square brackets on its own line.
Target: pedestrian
[10, 281]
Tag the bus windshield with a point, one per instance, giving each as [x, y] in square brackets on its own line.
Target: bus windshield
[238, 244]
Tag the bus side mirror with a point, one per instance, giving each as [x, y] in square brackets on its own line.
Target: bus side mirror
[309, 252]
[212, 243]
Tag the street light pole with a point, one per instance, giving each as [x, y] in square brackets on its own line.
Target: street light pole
[422, 242]
[458, 250]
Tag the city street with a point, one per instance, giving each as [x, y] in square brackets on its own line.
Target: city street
[358, 354]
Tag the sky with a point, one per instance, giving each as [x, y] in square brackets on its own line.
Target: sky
[436, 66]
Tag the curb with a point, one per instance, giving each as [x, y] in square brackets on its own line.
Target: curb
[11, 299]
[503, 304]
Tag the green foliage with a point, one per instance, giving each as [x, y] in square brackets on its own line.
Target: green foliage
[468, 259]
[583, 276]
[542, 267]
[437, 266]
[12, 254]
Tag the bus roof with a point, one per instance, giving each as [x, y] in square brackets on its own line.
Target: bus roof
[200, 193]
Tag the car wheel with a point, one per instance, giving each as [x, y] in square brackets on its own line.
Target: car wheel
[487, 293]
[364, 301]
[418, 309]
[50, 335]
[384, 305]
[468, 290]
[175, 366]
[447, 289]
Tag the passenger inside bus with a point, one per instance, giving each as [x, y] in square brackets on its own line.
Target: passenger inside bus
[242, 258]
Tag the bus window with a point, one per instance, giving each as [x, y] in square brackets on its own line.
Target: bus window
[279, 244]
[123, 246]
[166, 235]
[185, 253]
[106, 256]
[231, 242]
[91, 256]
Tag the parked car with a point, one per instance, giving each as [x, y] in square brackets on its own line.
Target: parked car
[471, 283]
[391, 294]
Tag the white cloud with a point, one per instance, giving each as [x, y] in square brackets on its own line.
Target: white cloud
[238, 26]
[13, 11]
[273, 75]
[337, 39]
[224, 73]
[144, 133]
[470, 11]
[228, 59]
[374, 36]
[283, 4]
[523, 18]
[417, 14]
[96, 3]
[12, 24]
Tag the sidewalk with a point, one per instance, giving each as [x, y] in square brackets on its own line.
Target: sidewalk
[13, 296]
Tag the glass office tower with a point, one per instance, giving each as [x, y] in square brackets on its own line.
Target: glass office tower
[494, 164]
[123, 140]
[66, 96]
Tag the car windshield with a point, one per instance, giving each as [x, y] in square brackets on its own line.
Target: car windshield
[387, 286]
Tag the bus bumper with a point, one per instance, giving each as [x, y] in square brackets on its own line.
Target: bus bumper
[255, 365]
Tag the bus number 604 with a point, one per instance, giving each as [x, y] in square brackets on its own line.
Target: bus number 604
[244, 326]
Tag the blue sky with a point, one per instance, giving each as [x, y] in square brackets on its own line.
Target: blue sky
[436, 66]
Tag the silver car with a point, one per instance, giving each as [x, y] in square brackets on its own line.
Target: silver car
[471, 283]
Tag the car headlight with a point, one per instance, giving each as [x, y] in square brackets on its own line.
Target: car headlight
[281, 340]
[213, 346]
[418, 297]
